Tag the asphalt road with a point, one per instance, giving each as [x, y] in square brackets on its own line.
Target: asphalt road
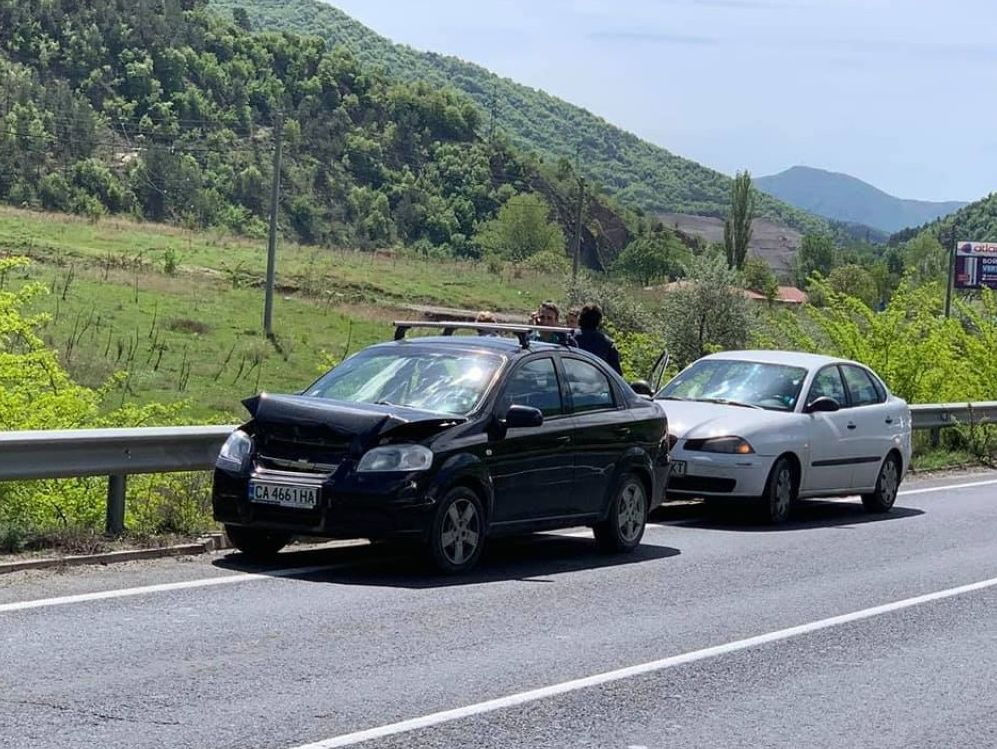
[731, 629]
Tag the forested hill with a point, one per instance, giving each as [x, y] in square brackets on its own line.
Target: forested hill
[977, 222]
[165, 110]
[846, 198]
[635, 171]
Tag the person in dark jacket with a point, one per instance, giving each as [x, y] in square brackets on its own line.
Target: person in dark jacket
[593, 340]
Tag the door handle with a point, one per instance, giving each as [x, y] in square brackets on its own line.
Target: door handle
[889, 419]
[564, 440]
[623, 432]
[851, 426]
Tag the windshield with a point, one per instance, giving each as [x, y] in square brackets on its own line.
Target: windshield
[743, 383]
[448, 382]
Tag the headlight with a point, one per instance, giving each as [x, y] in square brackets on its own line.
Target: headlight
[728, 445]
[236, 451]
[402, 458]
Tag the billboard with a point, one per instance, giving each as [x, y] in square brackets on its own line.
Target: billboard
[975, 265]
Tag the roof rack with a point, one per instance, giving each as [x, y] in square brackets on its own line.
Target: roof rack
[449, 327]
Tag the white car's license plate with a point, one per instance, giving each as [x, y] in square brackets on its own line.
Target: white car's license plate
[285, 495]
[678, 468]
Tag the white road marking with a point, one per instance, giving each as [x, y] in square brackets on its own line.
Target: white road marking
[950, 487]
[243, 577]
[249, 577]
[554, 690]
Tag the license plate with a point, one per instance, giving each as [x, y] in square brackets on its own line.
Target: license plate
[285, 495]
[678, 468]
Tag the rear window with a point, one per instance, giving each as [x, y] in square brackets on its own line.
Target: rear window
[862, 386]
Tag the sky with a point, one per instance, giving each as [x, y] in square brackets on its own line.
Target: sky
[900, 93]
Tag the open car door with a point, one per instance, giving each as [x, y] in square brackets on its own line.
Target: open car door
[657, 376]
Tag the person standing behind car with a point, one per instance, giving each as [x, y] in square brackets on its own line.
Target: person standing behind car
[593, 340]
[548, 315]
[486, 317]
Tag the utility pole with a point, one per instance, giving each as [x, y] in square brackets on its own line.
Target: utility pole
[576, 249]
[272, 244]
[950, 277]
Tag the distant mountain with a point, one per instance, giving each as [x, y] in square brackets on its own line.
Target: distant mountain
[638, 173]
[976, 222]
[844, 198]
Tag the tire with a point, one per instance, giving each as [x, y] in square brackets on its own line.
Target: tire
[781, 488]
[457, 537]
[256, 543]
[887, 485]
[623, 529]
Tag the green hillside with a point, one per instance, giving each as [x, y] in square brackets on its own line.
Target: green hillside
[162, 110]
[635, 171]
[977, 222]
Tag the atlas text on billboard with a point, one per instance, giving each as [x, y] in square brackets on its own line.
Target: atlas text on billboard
[975, 265]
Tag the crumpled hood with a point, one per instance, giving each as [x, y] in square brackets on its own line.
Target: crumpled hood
[691, 420]
[364, 423]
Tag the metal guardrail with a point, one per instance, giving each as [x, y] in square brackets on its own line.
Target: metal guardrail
[940, 415]
[116, 453]
[119, 453]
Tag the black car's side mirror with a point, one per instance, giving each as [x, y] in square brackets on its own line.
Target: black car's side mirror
[642, 387]
[523, 417]
[823, 405]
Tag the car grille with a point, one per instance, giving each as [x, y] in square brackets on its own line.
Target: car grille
[701, 484]
[297, 454]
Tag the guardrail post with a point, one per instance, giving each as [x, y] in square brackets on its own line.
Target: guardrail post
[116, 504]
[936, 436]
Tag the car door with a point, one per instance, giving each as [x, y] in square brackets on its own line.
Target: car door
[870, 425]
[830, 467]
[603, 431]
[531, 468]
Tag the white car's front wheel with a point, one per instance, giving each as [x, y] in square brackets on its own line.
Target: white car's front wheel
[887, 486]
[780, 492]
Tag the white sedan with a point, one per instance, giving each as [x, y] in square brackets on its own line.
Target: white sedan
[775, 426]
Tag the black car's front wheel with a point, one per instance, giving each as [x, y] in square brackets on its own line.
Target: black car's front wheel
[623, 529]
[458, 533]
[256, 543]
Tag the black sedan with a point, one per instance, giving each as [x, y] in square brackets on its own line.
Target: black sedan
[447, 440]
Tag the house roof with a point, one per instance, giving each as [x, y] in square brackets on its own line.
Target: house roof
[786, 295]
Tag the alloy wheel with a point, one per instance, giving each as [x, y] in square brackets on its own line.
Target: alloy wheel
[461, 532]
[632, 512]
[783, 494]
[889, 482]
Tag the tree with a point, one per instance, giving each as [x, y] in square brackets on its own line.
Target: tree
[737, 225]
[241, 18]
[925, 259]
[652, 257]
[816, 253]
[707, 312]
[521, 230]
[854, 281]
[759, 277]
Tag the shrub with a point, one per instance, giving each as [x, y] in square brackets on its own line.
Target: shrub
[37, 393]
[708, 313]
[553, 262]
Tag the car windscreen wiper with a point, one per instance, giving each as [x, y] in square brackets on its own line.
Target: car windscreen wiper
[672, 398]
[728, 402]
